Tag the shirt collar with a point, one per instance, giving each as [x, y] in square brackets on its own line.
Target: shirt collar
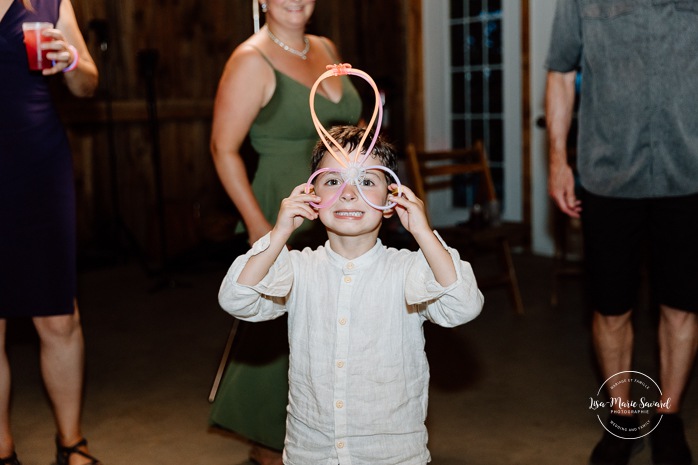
[359, 262]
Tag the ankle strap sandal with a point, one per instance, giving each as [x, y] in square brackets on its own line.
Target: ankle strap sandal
[11, 460]
[63, 453]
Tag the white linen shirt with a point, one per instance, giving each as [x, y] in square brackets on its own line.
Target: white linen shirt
[358, 376]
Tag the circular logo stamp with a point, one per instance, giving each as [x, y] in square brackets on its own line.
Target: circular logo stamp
[628, 394]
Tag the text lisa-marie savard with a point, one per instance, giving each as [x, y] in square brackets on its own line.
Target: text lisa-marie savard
[619, 403]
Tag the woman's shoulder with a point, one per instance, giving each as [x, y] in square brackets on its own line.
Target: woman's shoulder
[249, 53]
[248, 61]
[322, 39]
[325, 43]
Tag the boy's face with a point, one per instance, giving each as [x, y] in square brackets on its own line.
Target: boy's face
[350, 214]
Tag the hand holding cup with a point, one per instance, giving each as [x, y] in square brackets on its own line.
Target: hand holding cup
[47, 49]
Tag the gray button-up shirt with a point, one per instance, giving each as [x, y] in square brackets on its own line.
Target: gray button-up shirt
[638, 115]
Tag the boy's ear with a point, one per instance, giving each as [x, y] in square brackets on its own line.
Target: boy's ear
[388, 213]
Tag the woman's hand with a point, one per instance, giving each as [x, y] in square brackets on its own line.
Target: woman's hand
[60, 51]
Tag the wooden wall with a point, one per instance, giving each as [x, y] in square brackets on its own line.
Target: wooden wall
[119, 148]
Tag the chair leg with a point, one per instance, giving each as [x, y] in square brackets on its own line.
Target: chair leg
[553, 291]
[562, 264]
[560, 253]
[508, 262]
[224, 360]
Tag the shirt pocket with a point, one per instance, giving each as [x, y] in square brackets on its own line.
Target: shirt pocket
[608, 9]
[679, 5]
[610, 29]
[686, 5]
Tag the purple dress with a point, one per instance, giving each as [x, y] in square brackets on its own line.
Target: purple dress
[37, 199]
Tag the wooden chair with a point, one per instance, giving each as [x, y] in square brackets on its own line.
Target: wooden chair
[568, 256]
[435, 170]
[568, 252]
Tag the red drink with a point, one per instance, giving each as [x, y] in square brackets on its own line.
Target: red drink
[32, 39]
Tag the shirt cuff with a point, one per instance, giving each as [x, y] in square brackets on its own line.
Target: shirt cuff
[261, 244]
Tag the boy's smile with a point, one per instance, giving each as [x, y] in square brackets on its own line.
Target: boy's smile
[349, 214]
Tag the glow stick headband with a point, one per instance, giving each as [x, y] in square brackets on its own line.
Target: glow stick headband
[255, 14]
[353, 171]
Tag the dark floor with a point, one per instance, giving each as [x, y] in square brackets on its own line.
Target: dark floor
[506, 389]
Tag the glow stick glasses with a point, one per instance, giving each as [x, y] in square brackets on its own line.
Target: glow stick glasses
[353, 170]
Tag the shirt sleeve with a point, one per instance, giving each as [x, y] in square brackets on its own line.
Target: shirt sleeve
[263, 301]
[448, 306]
[565, 50]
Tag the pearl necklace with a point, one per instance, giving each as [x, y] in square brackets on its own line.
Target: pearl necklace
[299, 53]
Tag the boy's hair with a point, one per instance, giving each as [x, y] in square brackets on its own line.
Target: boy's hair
[349, 138]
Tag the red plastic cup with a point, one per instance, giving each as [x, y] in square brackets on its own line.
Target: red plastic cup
[33, 37]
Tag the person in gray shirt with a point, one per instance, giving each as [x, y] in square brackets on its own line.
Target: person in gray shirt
[637, 163]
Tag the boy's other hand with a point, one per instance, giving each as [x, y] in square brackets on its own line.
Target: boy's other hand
[410, 209]
[294, 209]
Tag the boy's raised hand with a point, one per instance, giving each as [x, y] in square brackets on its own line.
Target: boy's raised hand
[294, 209]
[411, 211]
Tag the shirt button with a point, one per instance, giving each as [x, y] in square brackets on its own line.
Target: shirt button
[347, 279]
[339, 404]
[342, 321]
[340, 445]
[340, 364]
[350, 265]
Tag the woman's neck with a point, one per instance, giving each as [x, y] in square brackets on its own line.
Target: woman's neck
[291, 37]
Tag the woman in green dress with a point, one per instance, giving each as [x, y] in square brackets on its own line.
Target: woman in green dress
[263, 92]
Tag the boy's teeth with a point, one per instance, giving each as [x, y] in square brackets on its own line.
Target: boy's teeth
[349, 213]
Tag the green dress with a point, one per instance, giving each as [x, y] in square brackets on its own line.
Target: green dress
[253, 394]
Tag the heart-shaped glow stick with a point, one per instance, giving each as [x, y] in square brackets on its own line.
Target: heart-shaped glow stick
[353, 170]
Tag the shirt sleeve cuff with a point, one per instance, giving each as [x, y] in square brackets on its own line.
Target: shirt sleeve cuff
[421, 285]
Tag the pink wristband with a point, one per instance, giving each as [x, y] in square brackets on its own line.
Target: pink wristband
[76, 57]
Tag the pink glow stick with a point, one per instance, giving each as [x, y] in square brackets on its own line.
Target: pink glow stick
[353, 170]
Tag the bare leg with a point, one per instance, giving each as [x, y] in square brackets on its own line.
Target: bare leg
[678, 341]
[613, 342]
[6, 442]
[62, 367]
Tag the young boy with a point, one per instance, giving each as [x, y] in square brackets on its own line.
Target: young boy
[358, 375]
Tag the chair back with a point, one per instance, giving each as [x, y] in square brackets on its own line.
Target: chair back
[435, 170]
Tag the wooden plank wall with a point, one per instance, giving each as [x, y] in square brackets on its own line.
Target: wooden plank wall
[112, 135]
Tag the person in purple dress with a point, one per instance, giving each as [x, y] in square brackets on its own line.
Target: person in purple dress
[37, 215]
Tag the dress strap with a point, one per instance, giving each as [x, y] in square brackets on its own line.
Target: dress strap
[264, 56]
[325, 42]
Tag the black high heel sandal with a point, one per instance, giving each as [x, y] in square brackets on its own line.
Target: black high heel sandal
[11, 460]
[63, 453]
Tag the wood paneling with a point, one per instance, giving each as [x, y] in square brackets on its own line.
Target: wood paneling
[414, 95]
